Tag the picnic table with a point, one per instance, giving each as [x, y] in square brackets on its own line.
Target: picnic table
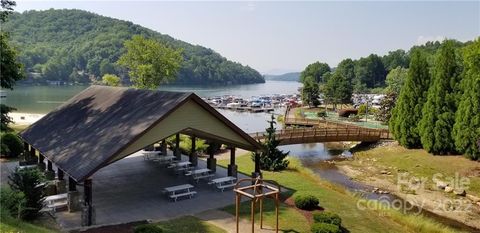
[224, 182]
[164, 159]
[147, 155]
[54, 202]
[201, 174]
[182, 190]
[180, 166]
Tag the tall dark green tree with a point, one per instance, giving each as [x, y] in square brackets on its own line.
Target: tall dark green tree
[413, 95]
[310, 92]
[394, 59]
[316, 70]
[466, 131]
[271, 158]
[439, 111]
[346, 68]
[370, 71]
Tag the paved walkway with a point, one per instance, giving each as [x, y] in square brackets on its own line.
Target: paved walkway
[227, 222]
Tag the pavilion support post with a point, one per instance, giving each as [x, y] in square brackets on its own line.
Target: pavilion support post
[212, 162]
[73, 201]
[257, 172]
[177, 152]
[261, 213]
[276, 212]
[232, 167]
[41, 161]
[164, 147]
[49, 173]
[26, 151]
[252, 214]
[237, 209]
[33, 154]
[193, 158]
[88, 213]
[60, 182]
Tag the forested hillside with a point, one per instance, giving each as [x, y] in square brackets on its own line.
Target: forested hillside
[80, 47]
[292, 76]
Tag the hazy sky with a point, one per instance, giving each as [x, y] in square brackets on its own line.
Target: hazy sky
[275, 37]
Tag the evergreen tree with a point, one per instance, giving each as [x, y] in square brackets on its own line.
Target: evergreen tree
[272, 159]
[466, 131]
[407, 111]
[438, 118]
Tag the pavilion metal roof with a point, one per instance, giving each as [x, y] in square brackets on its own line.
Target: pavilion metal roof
[91, 128]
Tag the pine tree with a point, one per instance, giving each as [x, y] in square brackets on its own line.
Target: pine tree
[272, 159]
[407, 111]
[439, 111]
[466, 131]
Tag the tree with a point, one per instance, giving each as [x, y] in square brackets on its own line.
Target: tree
[111, 80]
[316, 71]
[310, 92]
[149, 62]
[346, 68]
[394, 59]
[28, 181]
[413, 95]
[370, 71]
[439, 111]
[12, 70]
[386, 106]
[338, 89]
[466, 130]
[395, 79]
[7, 9]
[271, 158]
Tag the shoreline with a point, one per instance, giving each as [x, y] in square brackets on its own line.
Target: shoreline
[451, 207]
[25, 118]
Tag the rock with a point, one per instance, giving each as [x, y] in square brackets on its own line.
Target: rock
[418, 165]
[448, 189]
[383, 172]
[460, 192]
[441, 185]
[473, 198]
[478, 203]
[389, 173]
[375, 190]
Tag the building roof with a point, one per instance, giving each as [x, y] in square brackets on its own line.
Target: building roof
[93, 128]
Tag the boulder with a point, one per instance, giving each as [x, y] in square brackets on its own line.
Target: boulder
[473, 198]
[383, 172]
[448, 189]
[460, 192]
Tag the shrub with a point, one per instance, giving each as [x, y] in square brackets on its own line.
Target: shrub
[307, 202]
[28, 181]
[148, 228]
[12, 202]
[322, 114]
[327, 217]
[12, 146]
[325, 228]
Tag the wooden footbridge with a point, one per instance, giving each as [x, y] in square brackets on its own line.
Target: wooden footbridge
[324, 131]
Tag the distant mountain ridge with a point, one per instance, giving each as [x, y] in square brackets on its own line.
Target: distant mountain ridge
[79, 46]
[292, 76]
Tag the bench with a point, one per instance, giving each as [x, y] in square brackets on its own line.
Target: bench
[198, 177]
[190, 194]
[224, 186]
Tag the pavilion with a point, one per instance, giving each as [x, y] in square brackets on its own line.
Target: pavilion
[102, 125]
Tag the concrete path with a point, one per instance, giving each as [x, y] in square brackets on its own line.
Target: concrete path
[227, 222]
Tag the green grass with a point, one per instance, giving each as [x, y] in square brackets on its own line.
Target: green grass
[12, 225]
[189, 224]
[300, 180]
[418, 163]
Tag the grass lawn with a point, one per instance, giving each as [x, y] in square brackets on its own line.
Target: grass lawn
[11, 225]
[418, 163]
[300, 180]
[189, 224]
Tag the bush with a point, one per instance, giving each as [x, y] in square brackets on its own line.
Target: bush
[327, 217]
[148, 228]
[322, 114]
[325, 228]
[12, 202]
[307, 202]
[28, 181]
[11, 146]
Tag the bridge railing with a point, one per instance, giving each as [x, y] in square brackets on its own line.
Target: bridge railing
[330, 133]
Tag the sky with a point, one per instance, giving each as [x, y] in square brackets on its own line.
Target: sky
[277, 37]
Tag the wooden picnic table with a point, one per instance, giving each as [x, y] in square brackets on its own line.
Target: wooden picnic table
[182, 190]
[224, 182]
[201, 174]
